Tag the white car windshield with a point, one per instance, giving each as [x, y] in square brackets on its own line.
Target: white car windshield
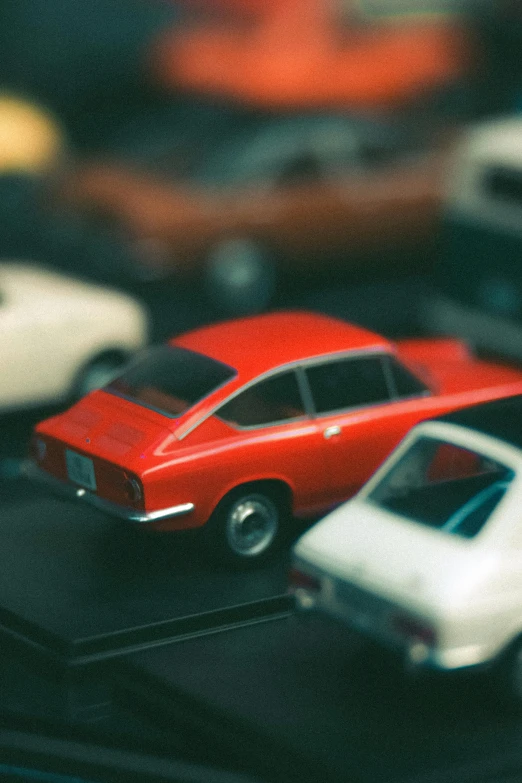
[445, 486]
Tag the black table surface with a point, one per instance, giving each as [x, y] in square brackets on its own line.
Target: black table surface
[302, 698]
[81, 587]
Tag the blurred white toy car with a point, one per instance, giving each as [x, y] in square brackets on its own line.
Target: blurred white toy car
[479, 278]
[427, 558]
[61, 337]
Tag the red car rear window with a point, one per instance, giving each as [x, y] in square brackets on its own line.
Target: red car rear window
[170, 380]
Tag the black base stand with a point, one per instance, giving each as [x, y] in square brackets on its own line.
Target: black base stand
[78, 590]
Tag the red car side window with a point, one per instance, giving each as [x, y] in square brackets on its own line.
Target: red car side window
[347, 383]
[405, 383]
[269, 401]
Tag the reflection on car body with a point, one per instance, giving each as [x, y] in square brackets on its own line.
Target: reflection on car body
[235, 425]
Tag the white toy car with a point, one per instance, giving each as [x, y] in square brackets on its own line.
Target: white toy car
[61, 337]
[427, 557]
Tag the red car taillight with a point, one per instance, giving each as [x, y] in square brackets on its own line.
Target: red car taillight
[304, 587]
[133, 489]
[118, 485]
[413, 630]
[299, 580]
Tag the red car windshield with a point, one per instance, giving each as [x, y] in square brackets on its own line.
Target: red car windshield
[170, 380]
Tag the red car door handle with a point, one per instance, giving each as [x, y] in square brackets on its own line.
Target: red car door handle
[333, 430]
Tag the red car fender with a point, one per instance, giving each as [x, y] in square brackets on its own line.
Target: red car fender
[205, 481]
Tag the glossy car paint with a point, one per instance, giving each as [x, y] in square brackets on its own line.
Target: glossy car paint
[198, 458]
[372, 565]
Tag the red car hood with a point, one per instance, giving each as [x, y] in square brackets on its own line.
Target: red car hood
[110, 427]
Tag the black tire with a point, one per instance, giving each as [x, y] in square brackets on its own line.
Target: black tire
[246, 526]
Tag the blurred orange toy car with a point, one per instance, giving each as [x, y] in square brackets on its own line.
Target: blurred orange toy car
[309, 54]
[322, 148]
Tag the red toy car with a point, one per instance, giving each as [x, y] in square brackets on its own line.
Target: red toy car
[236, 425]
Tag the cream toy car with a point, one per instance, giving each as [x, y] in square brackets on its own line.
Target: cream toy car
[61, 337]
[427, 558]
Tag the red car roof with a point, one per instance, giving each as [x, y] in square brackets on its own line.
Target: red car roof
[259, 343]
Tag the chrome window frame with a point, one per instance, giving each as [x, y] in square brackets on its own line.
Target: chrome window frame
[177, 348]
[295, 369]
[300, 366]
[393, 385]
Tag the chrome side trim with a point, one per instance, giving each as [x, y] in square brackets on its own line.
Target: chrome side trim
[113, 509]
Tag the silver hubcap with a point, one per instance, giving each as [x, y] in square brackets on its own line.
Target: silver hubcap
[252, 525]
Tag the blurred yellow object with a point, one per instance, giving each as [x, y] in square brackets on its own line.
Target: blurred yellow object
[31, 140]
